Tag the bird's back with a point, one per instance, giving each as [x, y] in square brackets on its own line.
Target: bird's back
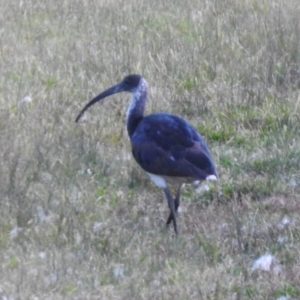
[167, 145]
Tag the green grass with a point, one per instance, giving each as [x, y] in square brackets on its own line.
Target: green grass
[79, 219]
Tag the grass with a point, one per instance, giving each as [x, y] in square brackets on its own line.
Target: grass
[79, 219]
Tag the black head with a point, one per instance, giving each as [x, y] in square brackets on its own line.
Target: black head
[128, 84]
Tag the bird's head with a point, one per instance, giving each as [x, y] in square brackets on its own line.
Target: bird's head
[129, 84]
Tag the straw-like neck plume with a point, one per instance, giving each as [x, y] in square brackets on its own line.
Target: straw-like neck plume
[135, 110]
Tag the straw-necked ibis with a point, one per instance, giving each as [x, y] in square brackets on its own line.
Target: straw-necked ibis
[166, 146]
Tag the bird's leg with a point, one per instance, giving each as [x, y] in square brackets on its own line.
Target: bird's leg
[173, 205]
[177, 203]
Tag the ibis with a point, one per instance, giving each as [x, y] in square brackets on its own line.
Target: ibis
[167, 147]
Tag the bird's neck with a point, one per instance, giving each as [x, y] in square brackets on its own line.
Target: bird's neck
[135, 110]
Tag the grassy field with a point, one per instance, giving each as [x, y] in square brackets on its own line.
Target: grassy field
[79, 219]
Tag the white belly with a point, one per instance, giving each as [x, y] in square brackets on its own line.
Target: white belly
[161, 181]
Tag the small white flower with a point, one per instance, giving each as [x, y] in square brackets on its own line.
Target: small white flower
[14, 233]
[293, 183]
[42, 255]
[282, 239]
[202, 188]
[26, 99]
[97, 226]
[286, 221]
[283, 298]
[118, 272]
[268, 263]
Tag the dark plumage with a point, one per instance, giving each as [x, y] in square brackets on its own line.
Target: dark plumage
[166, 146]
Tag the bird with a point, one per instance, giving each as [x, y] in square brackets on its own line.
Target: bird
[166, 147]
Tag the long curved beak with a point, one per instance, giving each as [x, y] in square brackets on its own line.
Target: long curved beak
[110, 91]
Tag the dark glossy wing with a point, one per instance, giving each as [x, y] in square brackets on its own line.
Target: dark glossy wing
[164, 144]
